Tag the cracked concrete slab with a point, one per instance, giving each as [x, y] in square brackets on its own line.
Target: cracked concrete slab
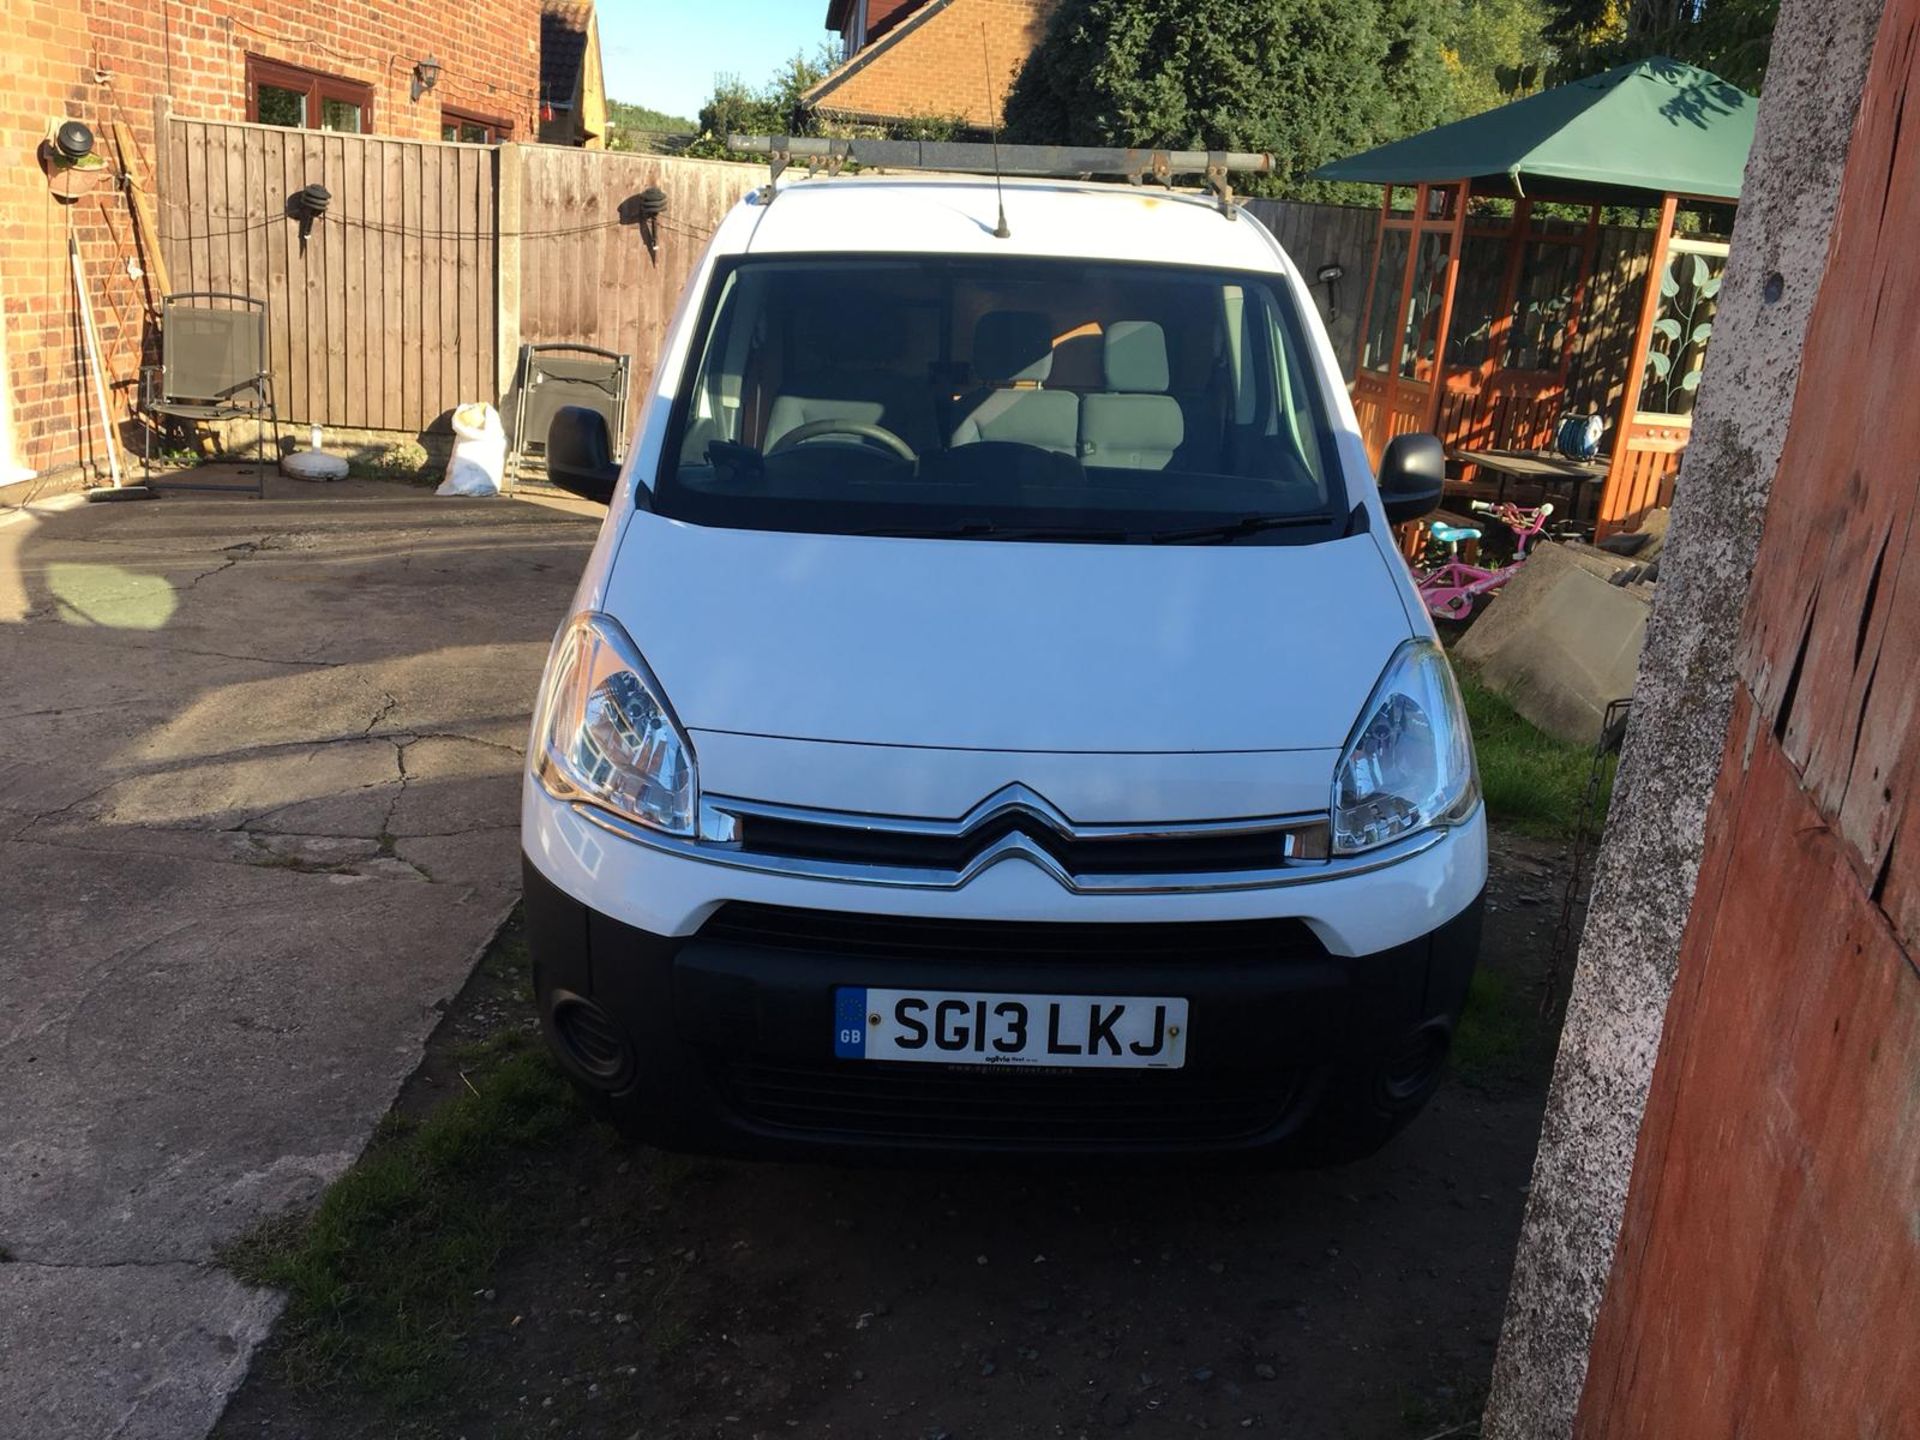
[257, 811]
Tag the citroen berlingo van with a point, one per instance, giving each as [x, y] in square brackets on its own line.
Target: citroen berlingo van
[995, 719]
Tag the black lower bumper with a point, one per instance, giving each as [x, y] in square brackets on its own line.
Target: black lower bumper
[722, 1042]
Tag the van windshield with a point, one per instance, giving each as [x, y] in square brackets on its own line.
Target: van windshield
[1015, 398]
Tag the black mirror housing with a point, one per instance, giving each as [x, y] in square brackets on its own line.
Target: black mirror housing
[580, 454]
[1413, 476]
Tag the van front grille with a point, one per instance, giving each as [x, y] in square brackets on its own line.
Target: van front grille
[1009, 942]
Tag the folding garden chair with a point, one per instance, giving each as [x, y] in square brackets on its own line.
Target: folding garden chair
[213, 366]
[553, 377]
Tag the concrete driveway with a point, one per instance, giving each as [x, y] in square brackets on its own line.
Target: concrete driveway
[258, 777]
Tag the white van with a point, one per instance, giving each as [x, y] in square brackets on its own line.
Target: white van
[995, 718]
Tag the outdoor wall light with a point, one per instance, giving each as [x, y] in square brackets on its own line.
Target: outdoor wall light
[653, 204]
[1329, 276]
[73, 141]
[426, 75]
[306, 205]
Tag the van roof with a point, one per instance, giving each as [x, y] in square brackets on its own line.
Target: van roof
[956, 215]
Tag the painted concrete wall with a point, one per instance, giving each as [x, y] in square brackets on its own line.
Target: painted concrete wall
[1767, 1280]
[1644, 881]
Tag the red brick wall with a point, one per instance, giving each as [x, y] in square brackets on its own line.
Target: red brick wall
[110, 59]
[938, 68]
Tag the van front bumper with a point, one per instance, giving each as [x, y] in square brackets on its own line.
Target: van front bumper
[715, 1034]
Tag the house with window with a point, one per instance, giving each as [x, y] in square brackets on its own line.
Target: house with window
[473, 72]
[914, 60]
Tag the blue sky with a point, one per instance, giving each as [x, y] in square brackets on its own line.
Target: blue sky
[665, 53]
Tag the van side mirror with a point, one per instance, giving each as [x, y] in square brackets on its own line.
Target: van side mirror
[580, 454]
[1413, 476]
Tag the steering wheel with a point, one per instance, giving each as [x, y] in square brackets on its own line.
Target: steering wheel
[814, 429]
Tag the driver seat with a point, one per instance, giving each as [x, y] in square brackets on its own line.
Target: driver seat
[1013, 356]
[859, 377]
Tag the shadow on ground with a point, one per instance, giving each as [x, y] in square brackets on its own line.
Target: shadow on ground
[627, 1293]
[257, 807]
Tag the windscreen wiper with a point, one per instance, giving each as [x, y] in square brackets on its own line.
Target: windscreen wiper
[988, 530]
[1233, 529]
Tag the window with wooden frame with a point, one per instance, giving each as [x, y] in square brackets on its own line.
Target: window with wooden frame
[473, 129]
[280, 94]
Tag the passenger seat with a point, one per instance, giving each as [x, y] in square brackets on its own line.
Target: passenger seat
[1013, 355]
[1136, 424]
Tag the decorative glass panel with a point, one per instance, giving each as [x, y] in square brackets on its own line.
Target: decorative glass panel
[282, 107]
[1689, 299]
[1378, 353]
[1476, 301]
[1425, 313]
[1543, 306]
[341, 115]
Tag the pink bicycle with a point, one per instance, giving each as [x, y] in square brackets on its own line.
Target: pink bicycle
[1452, 588]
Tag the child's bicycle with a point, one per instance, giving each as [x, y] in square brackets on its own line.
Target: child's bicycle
[1452, 588]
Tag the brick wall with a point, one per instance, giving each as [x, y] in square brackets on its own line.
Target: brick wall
[109, 60]
[936, 67]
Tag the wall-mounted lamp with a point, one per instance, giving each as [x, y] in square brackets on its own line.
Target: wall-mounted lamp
[1329, 275]
[73, 141]
[306, 206]
[653, 204]
[426, 75]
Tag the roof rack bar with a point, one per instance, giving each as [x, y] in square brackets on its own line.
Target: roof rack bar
[1059, 161]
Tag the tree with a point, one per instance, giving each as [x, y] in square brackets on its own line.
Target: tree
[774, 108]
[1308, 80]
[630, 126]
[1729, 37]
[1495, 51]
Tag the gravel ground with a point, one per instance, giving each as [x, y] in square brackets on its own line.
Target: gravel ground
[669, 1297]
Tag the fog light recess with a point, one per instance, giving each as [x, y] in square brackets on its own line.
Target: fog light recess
[591, 1041]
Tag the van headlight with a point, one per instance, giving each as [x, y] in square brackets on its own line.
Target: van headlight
[1409, 763]
[606, 735]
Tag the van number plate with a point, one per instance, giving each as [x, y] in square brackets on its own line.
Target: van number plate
[948, 1027]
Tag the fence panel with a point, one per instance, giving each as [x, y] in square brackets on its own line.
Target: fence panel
[1317, 235]
[385, 319]
[585, 275]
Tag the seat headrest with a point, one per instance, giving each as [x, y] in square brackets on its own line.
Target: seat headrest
[1010, 345]
[1137, 356]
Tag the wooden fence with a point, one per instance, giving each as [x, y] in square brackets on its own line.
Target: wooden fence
[435, 262]
[1318, 235]
[385, 318]
[585, 274]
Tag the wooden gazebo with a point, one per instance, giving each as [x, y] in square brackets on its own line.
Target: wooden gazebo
[1483, 267]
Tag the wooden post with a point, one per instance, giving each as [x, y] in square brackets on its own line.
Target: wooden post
[511, 169]
[159, 285]
[1456, 238]
[1608, 517]
[163, 183]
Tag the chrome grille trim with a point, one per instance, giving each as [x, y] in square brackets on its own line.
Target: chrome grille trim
[722, 816]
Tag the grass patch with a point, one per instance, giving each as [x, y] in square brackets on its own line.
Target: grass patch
[1532, 782]
[381, 1276]
[1496, 1034]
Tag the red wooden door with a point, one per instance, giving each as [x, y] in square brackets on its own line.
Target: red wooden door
[1767, 1278]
